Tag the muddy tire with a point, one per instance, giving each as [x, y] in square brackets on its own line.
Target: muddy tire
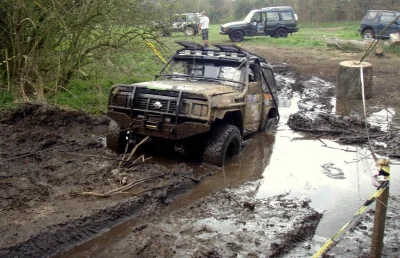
[281, 33]
[115, 139]
[225, 141]
[189, 31]
[269, 124]
[236, 36]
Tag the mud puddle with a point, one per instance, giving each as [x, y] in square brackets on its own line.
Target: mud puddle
[335, 180]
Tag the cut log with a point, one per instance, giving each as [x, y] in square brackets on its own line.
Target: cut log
[349, 80]
[352, 45]
[379, 51]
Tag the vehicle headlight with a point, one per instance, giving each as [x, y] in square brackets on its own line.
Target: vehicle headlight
[199, 110]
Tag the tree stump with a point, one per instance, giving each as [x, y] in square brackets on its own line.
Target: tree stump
[349, 80]
[379, 51]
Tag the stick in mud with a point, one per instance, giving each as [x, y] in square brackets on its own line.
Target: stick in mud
[231, 197]
[119, 189]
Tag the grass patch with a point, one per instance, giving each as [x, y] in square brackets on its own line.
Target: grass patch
[309, 36]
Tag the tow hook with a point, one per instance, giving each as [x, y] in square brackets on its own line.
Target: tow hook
[179, 147]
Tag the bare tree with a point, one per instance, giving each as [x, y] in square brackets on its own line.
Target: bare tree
[48, 41]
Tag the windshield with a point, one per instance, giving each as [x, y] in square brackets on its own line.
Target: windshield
[219, 71]
[249, 16]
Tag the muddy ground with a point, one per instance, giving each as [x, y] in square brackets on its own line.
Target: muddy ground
[49, 156]
[324, 64]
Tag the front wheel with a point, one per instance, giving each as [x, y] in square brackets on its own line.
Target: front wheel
[281, 33]
[368, 34]
[116, 138]
[225, 141]
[189, 31]
[236, 35]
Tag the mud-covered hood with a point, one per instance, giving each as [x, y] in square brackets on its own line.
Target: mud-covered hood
[200, 87]
[234, 24]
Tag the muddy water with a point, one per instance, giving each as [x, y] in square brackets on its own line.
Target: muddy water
[336, 178]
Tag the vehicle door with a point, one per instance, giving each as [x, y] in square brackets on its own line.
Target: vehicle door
[272, 21]
[288, 20]
[257, 23]
[253, 99]
[384, 20]
[267, 99]
[254, 24]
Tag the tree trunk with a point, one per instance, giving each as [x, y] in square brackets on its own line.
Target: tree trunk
[349, 80]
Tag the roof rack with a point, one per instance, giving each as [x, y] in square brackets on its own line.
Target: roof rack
[191, 45]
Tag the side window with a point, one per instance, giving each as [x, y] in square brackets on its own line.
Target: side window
[287, 16]
[370, 15]
[270, 79]
[272, 16]
[256, 17]
[387, 17]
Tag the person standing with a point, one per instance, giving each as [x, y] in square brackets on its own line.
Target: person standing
[203, 26]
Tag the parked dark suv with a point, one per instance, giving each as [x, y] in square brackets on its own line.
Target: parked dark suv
[376, 20]
[274, 21]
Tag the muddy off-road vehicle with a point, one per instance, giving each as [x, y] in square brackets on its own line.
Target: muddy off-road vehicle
[206, 100]
[276, 22]
[187, 23]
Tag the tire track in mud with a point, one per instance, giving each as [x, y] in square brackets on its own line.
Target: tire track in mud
[56, 238]
[40, 217]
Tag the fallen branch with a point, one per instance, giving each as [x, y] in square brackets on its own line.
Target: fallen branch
[137, 146]
[231, 197]
[96, 157]
[119, 189]
[329, 147]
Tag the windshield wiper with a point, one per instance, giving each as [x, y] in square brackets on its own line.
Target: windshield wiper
[188, 77]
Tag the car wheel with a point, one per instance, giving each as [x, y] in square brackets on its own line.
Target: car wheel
[225, 141]
[189, 31]
[281, 33]
[116, 138]
[236, 35]
[368, 34]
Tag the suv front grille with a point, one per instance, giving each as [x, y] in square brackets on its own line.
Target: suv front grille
[147, 102]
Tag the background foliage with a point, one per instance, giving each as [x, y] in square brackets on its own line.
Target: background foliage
[69, 52]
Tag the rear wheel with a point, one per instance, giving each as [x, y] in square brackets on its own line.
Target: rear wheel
[368, 34]
[236, 35]
[116, 138]
[225, 141]
[189, 31]
[281, 33]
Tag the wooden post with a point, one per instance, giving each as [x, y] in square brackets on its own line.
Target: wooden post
[349, 80]
[379, 224]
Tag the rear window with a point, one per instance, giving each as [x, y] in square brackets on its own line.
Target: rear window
[287, 16]
[272, 16]
[387, 17]
[370, 15]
